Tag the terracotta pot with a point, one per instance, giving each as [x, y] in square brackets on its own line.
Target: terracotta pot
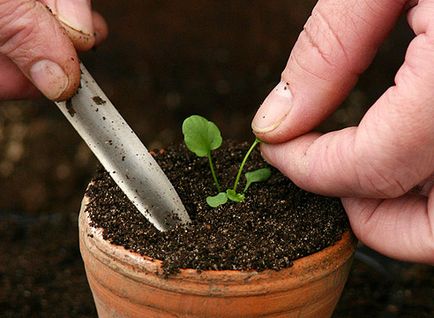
[126, 284]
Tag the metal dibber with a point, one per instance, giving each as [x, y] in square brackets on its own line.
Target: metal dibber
[123, 155]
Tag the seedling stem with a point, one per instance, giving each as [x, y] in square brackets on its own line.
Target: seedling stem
[240, 170]
[214, 175]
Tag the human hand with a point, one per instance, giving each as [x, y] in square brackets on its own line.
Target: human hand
[374, 166]
[37, 53]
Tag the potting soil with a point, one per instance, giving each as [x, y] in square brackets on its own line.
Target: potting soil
[276, 224]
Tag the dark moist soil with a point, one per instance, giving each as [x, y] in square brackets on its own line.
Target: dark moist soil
[276, 224]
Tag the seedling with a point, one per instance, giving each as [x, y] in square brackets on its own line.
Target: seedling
[201, 136]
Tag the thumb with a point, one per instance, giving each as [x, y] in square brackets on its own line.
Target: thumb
[32, 38]
[338, 42]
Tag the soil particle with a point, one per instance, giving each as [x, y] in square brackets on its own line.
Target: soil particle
[70, 107]
[98, 100]
[276, 224]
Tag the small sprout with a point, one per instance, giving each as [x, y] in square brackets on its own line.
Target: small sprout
[201, 136]
[234, 196]
[216, 200]
[256, 176]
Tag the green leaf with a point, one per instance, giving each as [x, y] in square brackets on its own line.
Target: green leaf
[259, 175]
[233, 196]
[216, 200]
[201, 135]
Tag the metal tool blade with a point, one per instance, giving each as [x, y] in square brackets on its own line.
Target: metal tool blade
[122, 154]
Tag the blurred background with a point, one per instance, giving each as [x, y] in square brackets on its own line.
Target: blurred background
[163, 61]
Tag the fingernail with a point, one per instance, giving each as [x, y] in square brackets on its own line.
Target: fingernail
[274, 109]
[49, 78]
[76, 14]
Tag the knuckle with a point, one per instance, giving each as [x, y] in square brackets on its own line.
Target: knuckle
[305, 67]
[379, 181]
[16, 24]
[323, 48]
[421, 20]
[363, 220]
[322, 35]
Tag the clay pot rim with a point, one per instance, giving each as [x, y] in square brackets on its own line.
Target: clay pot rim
[145, 269]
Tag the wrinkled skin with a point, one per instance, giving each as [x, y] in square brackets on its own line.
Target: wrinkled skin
[31, 31]
[383, 168]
